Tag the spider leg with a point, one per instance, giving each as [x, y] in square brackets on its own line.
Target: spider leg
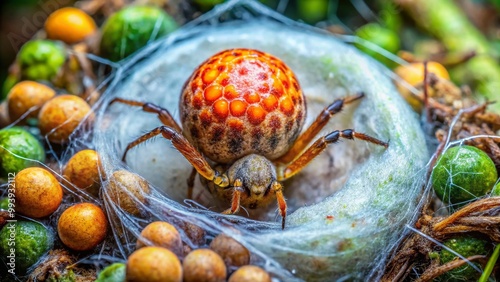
[163, 114]
[319, 146]
[235, 201]
[318, 124]
[185, 148]
[190, 183]
[278, 191]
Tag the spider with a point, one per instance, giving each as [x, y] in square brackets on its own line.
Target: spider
[243, 110]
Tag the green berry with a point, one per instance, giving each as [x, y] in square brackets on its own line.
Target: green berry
[112, 273]
[41, 59]
[9, 82]
[466, 246]
[132, 28]
[23, 243]
[4, 204]
[380, 36]
[18, 150]
[462, 174]
[312, 11]
[390, 15]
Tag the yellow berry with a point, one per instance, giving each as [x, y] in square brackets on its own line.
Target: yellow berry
[413, 75]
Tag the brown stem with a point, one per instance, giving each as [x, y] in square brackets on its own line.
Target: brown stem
[434, 272]
[477, 206]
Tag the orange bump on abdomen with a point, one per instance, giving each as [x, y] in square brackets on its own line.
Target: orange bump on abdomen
[227, 59]
[286, 106]
[252, 97]
[220, 109]
[238, 108]
[209, 75]
[256, 115]
[270, 103]
[282, 77]
[277, 89]
[212, 93]
[230, 92]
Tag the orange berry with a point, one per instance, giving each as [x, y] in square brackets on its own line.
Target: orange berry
[250, 273]
[38, 193]
[82, 227]
[231, 251]
[153, 264]
[128, 191]
[70, 25]
[27, 96]
[60, 116]
[195, 233]
[204, 265]
[161, 234]
[82, 170]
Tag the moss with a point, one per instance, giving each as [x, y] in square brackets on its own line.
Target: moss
[466, 246]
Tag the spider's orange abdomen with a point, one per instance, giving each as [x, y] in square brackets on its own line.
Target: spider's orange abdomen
[242, 101]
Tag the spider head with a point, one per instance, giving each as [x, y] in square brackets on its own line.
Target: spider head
[256, 173]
